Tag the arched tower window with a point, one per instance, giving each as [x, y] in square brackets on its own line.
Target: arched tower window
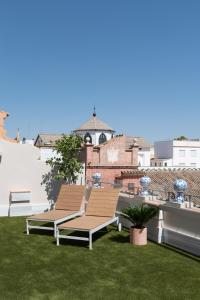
[102, 138]
[87, 135]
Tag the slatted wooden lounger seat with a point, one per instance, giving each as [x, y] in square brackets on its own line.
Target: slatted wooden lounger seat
[68, 206]
[100, 213]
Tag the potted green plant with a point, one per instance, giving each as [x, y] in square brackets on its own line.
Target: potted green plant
[139, 216]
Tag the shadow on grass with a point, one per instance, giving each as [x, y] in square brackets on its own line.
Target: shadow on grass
[179, 251]
[120, 238]
[41, 231]
[79, 243]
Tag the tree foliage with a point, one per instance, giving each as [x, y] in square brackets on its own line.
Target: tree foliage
[66, 163]
[182, 138]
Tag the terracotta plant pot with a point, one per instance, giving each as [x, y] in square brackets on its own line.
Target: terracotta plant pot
[138, 236]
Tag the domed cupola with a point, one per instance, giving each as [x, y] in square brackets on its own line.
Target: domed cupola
[95, 131]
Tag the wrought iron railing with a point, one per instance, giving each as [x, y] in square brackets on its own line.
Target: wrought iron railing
[160, 194]
[131, 189]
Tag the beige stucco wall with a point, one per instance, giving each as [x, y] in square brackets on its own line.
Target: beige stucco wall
[21, 169]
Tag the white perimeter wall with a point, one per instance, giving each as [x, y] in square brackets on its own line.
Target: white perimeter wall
[21, 169]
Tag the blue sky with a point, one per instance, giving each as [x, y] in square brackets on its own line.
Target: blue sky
[138, 62]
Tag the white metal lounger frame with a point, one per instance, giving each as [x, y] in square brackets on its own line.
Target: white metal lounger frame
[90, 231]
[55, 223]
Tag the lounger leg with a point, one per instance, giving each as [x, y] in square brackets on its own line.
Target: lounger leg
[57, 237]
[90, 240]
[55, 230]
[119, 225]
[27, 228]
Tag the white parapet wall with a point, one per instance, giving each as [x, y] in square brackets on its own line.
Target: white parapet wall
[181, 228]
[178, 227]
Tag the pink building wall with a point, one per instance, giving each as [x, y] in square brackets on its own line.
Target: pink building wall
[110, 159]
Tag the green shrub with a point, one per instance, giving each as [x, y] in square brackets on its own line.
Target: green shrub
[139, 215]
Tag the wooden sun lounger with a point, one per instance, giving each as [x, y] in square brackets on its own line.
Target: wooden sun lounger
[100, 213]
[68, 206]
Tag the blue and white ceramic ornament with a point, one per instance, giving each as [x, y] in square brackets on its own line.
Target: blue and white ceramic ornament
[180, 187]
[145, 182]
[97, 178]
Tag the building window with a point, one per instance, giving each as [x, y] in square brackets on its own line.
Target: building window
[87, 135]
[102, 138]
[182, 153]
[193, 153]
[155, 164]
[165, 164]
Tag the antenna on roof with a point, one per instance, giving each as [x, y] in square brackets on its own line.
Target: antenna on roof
[17, 136]
[94, 113]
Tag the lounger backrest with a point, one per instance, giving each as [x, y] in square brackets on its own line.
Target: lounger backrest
[102, 202]
[70, 197]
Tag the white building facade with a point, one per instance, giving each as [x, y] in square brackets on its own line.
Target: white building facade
[144, 158]
[175, 153]
[144, 152]
[45, 142]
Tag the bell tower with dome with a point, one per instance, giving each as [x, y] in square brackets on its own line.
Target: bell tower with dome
[95, 131]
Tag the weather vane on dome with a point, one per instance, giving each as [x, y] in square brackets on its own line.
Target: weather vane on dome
[94, 113]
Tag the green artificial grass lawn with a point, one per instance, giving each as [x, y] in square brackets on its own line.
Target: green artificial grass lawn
[33, 267]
